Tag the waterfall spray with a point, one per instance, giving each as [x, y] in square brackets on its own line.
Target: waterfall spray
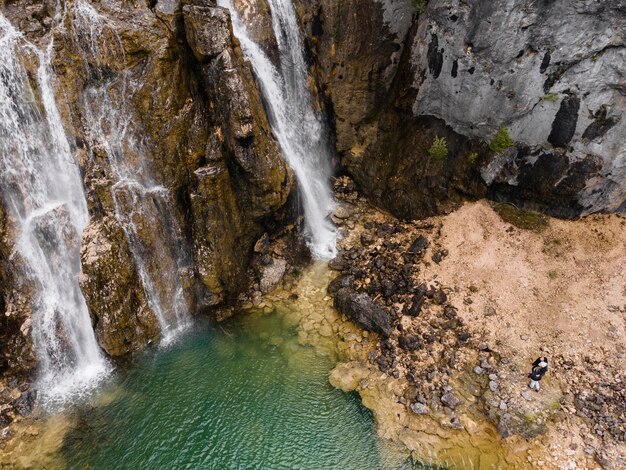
[298, 127]
[42, 189]
[142, 206]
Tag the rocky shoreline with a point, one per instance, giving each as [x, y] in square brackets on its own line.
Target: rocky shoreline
[443, 356]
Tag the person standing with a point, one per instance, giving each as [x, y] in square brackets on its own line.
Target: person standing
[539, 369]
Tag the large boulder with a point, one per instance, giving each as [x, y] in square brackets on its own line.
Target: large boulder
[362, 310]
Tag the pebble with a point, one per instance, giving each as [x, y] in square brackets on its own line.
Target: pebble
[419, 408]
[450, 400]
[478, 370]
[493, 385]
[527, 395]
[503, 406]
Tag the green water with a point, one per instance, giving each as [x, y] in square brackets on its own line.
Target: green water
[246, 396]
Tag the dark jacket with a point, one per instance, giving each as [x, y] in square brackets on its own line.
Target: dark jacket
[537, 372]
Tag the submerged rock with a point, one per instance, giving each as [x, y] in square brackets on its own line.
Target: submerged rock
[361, 309]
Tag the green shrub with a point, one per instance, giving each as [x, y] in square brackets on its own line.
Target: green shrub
[501, 141]
[439, 149]
[472, 158]
[550, 97]
[419, 5]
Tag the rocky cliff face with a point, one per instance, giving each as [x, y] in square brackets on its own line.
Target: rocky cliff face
[193, 117]
[550, 72]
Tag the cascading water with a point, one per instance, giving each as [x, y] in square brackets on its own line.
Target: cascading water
[42, 189]
[142, 207]
[296, 124]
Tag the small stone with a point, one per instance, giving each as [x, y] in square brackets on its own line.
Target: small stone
[493, 385]
[342, 212]
[503, 406]
[527, 395]
[450, 400]
[419, 408]
[493, 377]
[367, 238]
[490, 311]
[478, 370]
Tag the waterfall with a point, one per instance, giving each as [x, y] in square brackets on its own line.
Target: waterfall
[142, 206]
[42, 189]
[298, 127]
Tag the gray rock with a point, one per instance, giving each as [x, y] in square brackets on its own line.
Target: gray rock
[478, 370]
[450, 400]
[419, 408]
[272, 274]
[342, 212]
[493, 385]
[527, 395]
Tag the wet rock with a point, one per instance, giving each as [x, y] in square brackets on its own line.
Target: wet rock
[344, 281]
[272, 274]
[342, 213]
[363, 311]
[113, 290]
[385, 123]
[25, 403]
[338, 263]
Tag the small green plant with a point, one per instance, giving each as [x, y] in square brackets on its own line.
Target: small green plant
[501, 141]
[528, 220]
[551, 97]
[439, 149]
[472, 158]
[419, 5]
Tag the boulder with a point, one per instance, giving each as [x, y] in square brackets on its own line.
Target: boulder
[361, 309]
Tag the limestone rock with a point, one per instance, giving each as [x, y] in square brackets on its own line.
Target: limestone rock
[553, 78]
[113, 290]
[272, 274]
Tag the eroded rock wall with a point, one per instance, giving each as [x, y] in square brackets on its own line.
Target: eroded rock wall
[550, 72]
[194, 117]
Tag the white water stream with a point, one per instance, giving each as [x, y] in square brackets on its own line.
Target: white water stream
[143, 207]
[42, 190]
[298, 127]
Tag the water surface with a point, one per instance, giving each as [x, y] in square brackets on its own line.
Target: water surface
[244, 396]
